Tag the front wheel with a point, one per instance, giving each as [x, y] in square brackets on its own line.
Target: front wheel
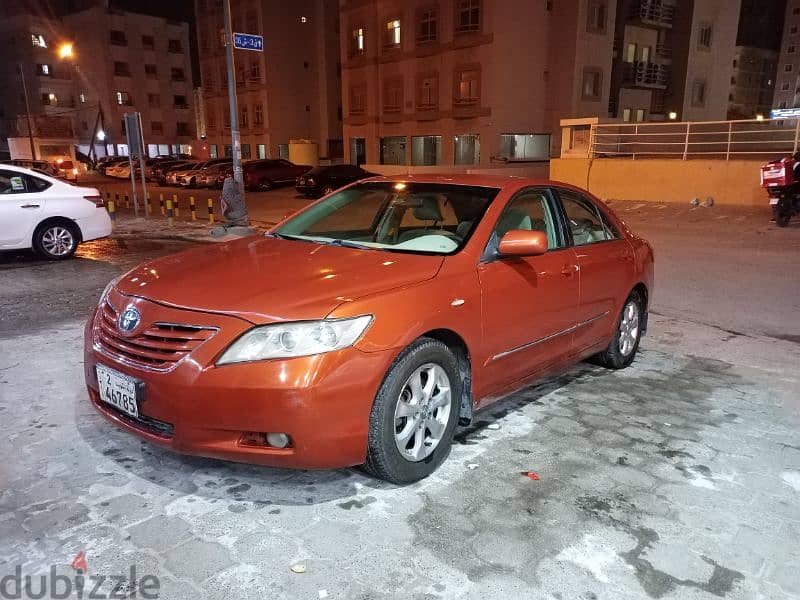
[415, 413]
[265, 185]
[623, 346]
[56, 241]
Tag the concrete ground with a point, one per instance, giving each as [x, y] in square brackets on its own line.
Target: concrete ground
[676, 478]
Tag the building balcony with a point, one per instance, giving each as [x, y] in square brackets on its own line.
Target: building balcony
[664, 51]
[646, 75]
[655, 13]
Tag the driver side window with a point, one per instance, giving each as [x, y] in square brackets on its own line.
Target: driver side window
[530, 210]
[585, 220]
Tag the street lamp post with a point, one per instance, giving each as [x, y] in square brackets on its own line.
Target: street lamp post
[27, 110]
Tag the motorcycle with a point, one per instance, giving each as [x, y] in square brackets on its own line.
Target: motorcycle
[782, 183]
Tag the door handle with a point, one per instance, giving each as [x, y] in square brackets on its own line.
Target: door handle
[569, 270]
[29, 206]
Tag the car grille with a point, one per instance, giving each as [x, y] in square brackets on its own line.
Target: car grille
[157, 347]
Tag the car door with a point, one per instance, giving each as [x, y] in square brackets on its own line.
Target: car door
[21, 207]
[606, 262]
[529, 303]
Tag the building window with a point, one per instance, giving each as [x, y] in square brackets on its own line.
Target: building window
[630, 53]
[467, 86]
[640, 115]
[467, 149]
[182, 129]
[393, 94]
[699, 93]
[245, 149]
[790, 50]
[243, 119]
[592, 87]
[148, 42]
[179, 101]
[704, 37]
[468, 15]
[121, 69]
[177, 74]
[82, 98]
[124, 99]
[258, 114]
[153, 100]
[151, 71]
[626, 115]
[785, 87]
[38, 40]
[49, 99]
[357, 42]
[788, 68]
[393, 150]
[211, 119]
[261, 151]
[392, 34]
[596, 17]
[118, 38]
[783, 104]
[428, 92]
[525, 146]
[43, 69]
[255, 70]
[226, 119]
[212, 151]
[174, 46]
[426, 150]
[427, 25]
[156, 127]
[358, 99]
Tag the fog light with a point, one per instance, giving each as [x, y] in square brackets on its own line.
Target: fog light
[278, 440]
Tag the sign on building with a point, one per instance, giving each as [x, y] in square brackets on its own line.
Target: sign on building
[248, 41]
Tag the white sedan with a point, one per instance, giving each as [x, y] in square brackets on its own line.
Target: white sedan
[48, 215]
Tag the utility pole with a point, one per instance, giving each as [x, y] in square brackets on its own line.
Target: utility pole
[27, 110]
[233, 196]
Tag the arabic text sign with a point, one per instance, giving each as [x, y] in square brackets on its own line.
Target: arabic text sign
[247, 41]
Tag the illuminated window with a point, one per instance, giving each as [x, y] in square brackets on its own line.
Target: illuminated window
[468, 86]
[38, 40]
[357, 42]
[392, 39]
[124, 99]
[43, 70]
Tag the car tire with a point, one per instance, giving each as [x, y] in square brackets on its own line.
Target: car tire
[624, 344]
[782, 213]
[265, 185]
[56, 240]
[328, 189]
[421, 422]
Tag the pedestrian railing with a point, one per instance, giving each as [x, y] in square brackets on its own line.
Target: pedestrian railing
[701, 139]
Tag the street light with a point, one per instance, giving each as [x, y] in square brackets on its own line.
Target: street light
[65, 50]
[101, 135]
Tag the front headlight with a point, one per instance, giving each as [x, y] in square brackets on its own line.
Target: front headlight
[290, 340]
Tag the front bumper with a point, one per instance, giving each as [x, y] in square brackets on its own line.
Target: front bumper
[308, 190]
[322, 402]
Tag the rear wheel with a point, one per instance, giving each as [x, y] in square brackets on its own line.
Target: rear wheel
[782, 211]
[415, 414]
[56, 241]
[327, 190]
[623, 346]
[265, 184]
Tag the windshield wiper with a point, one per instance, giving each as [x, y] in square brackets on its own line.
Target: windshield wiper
[343, 243]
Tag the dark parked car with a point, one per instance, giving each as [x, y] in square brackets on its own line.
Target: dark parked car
[158, 172]
[321, 181]
[265, 173]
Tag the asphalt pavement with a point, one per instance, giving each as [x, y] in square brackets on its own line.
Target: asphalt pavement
[676, 478]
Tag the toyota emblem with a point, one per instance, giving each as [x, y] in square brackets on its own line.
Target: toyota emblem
[129, 320]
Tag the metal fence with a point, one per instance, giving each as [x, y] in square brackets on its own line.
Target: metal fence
[702, 139]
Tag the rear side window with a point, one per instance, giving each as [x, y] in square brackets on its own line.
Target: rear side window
[12, 182]
[585, 220]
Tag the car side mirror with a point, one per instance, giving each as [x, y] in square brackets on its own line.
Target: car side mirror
[521, 242]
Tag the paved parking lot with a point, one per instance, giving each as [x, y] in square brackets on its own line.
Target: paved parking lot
[676, 478]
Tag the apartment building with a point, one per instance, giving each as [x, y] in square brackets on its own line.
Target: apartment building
[752, 82]
[469, 82]
[672, 59]
[787, 90]
[30, 45]
[128, 62]
[289, 91]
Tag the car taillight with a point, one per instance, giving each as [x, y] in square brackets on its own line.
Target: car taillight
[98, 201]
[74, 171]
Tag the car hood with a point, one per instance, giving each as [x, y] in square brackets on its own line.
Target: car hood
[265, 279]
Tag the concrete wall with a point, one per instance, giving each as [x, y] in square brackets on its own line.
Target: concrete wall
[731, 182]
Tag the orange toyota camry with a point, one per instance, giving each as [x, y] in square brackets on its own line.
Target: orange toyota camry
[363, 329]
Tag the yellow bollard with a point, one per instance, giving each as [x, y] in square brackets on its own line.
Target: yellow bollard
[210, 210]
[192, 208]
[175, 200]
[170, 213]
[112, 211]
[161, 204]
[127, 201]
[147, 210]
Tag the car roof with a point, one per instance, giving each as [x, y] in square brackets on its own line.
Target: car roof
[480, 180]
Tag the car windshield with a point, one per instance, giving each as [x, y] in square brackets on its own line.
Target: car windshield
[424, 218]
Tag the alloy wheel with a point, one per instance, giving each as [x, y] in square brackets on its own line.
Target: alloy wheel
[422, 412]
[58, 241]
[629, 328]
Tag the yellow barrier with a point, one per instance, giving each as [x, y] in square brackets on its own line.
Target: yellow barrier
[161, 204]
[170, 215]
[112, 210]
[175, 203]
[210, 210]
[192, 208]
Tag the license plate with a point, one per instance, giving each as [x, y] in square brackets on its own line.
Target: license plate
[773, 201]
[118, 390]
